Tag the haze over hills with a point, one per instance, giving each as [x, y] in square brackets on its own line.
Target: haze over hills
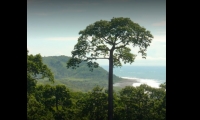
[80, 79]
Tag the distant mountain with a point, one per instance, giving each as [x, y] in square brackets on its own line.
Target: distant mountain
[77, 78]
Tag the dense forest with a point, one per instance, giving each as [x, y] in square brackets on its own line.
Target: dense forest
[57, 102]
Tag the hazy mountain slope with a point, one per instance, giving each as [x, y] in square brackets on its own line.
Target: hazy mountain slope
[77, 79]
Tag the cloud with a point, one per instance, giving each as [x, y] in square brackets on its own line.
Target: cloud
[152, 61]
[159, 38]
[161, 32]
[161, 23]
[151, 57]
[62, 38]
[156, 58]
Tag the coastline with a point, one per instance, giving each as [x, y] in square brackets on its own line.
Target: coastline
[126, 82]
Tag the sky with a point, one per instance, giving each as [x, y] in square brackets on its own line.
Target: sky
[53, 25]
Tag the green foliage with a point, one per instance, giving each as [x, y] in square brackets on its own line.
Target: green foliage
[31, 83]
[143, 103]
[35, 69]
[62, 96]
[107, 36]
[53, 96]
[61, 115]
[37, 111]
[163, 85]
[94, 106]
[130, 103]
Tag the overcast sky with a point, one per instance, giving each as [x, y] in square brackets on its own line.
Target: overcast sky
[53, 25]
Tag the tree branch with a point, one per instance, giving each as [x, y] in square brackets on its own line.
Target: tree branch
[97, 58]
[118, 43]
[122, 45]
[101, 49]
[121, 40]
[106, 40]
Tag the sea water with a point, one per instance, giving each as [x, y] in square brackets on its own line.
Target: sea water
[150, 75]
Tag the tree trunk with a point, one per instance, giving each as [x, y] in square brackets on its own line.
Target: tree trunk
[57, 103]
[110, 87]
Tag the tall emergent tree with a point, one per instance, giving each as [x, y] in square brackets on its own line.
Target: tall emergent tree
[110, 40]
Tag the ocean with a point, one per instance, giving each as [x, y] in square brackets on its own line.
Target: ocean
[150, 75]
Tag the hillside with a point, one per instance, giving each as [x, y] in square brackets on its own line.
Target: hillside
[80, 79]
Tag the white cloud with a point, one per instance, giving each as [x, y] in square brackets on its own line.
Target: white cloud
[150, 61]
[161, 32]
[156, 52]
[159, 38]
[139, 57]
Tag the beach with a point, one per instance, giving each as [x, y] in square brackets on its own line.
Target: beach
[136, 75]
[126, 82]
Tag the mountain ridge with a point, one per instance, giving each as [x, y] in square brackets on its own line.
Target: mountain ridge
[77, 79]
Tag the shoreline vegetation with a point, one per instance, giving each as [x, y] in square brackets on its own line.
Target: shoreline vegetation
[57, 101]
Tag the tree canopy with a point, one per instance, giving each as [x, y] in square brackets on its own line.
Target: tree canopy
[99, 39]
[35, 70]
